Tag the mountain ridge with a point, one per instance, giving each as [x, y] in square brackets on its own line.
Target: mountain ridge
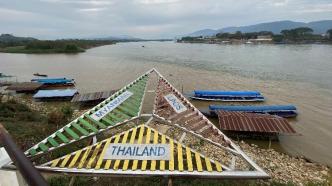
[319, 27]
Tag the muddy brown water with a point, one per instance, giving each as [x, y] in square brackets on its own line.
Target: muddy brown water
[285, 74]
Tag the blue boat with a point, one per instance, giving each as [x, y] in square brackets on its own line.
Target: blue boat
[215, 95]
[280, 110]
[54, 81]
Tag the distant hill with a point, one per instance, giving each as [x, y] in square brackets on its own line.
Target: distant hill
[6, 38]
[319, 27]
[204, 32]
[118, 38]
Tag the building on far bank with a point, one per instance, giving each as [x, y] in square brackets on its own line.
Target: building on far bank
[264, 39]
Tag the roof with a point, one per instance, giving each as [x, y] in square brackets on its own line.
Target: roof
[55, 93]
[93, 96]
[253, 108]
[181, 160]
[116, 118]
[25, 86]
[252, 122]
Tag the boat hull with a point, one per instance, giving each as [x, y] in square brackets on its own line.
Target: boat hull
[230, 99]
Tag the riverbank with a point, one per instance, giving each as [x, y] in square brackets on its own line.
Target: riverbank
[251, 41]
[12, 44]
[283, 169]
[24, 50]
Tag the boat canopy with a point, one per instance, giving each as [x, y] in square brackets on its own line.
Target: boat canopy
[55, 93]
[263, 108]
[53, 80]
[225, 93]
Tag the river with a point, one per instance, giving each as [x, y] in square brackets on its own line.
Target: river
[285, 74]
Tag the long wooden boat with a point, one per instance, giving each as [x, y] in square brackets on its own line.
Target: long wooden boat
[40, 75]
[286, 111]
[215, 95]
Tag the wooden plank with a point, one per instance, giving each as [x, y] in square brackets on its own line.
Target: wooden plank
[198, 162]
[43, 147]
[124, 140]
[101, 125]
[127, 111]
[139, 141]
[132, 140]
[155, 141]
[94, 155]
[71, 133]
[171, 161]
[162, 162]
[108, 162]
[62, 137]
[80, 129]
[147, 141]
[135, 102]
[208, 164]
[121, 114]
[114, 117]
[189, 160]
[85, 155]
[88, 125]
[52, 142]
[109, 122]
[55, 162]
[73, 161]
[218, 166]
[131, 106]
[101, 157]
[32, 152]
[180, 157]
[64, 161]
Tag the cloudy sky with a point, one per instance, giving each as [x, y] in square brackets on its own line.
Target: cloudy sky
[51, 19]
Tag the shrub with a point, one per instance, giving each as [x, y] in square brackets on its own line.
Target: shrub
[67, 111]
[55, 117]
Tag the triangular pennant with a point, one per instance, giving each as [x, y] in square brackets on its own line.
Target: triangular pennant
[182, 159]
[122, 106]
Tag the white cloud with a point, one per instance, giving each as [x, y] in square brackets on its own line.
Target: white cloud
[148, 18]
[321, 8]
[91, 9]
[83, 2]
[156, 1]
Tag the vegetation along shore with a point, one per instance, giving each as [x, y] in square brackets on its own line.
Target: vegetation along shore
[300, 35]
[12, 44]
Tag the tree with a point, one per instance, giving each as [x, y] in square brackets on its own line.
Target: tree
[250, 35]
[71, 47]
[278, 38]
[223, 35]
[238, 35]
[301, 33]
[265, 33]
[329, 33]
[285, 32]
